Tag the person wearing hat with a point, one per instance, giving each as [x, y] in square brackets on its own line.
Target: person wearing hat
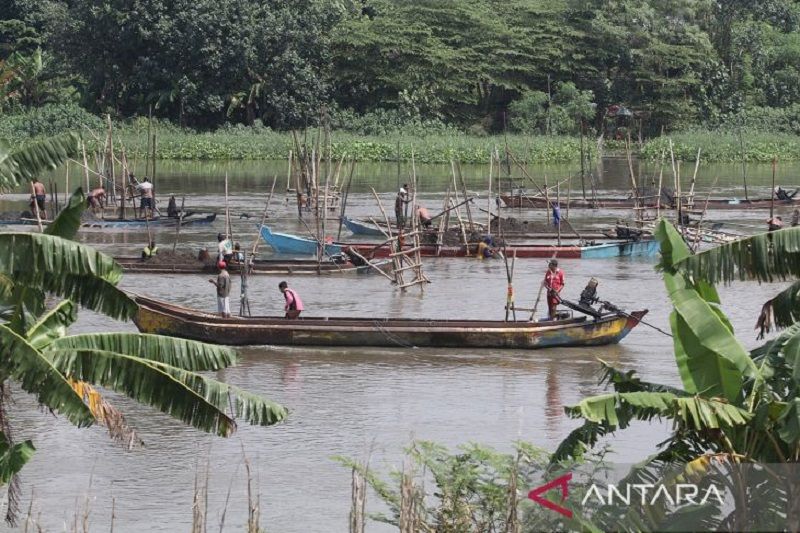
[223, 284]
[553, 282]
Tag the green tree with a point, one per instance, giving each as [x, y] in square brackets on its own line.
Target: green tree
[61, 370]
[735, 406]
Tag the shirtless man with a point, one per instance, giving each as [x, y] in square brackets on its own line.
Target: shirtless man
[38, 198]
[96, 198]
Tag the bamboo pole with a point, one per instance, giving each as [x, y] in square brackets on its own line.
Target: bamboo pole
[465, 194]
[344, 200]
[153, 175]
[489, 198]
[66, 186]
[289, 173]
[324, 211]
[558, 203]
[546, 199]
[772, 196]
[85, 166]
[227, 211]
[263, 219]
[744, 165]
[111, 154]
[178, 226]
[694, 178]
[583, 167]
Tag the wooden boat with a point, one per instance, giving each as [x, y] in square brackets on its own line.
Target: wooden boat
[604, 250]
[135, 265]
[284, 243]
[136, 223]
[167, 319]
[628, 203]
[357, 227]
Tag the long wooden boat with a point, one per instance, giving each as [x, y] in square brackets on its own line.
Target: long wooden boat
[135, 265]
[605, 250]
[136, 223]
[629, 203]
[167, 319]
[285, 243]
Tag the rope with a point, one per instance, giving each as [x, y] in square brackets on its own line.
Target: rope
[391, 337]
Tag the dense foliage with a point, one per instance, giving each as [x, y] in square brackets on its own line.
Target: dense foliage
[534, 66]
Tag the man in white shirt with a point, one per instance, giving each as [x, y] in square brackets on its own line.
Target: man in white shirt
[146, 201]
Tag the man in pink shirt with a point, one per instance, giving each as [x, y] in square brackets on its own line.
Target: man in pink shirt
[294, 305]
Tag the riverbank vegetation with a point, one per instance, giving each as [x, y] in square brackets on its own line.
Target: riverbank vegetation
[442, 75]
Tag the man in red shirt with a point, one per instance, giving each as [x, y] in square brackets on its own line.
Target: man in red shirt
[553, 282]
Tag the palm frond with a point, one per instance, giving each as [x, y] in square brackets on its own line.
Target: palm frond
[180, 353]
[107, 415]
[13, 457]
[579, 441]
[768, 257]
[68, 221]
[617, 410]
[21, 164]
[66, 268]
[781, 311]
[52, 325]
[196, 400]
[6, 286]
[629, 382]
[37, 375]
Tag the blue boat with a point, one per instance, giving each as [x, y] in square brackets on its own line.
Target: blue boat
[642, 248]
[284, 243]
[361, 228]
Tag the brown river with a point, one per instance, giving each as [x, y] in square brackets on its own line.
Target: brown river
[355, 401]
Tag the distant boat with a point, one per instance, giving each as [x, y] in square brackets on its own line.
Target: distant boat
[284, 267]
[122, 223]
[629, 203]
[357, 227]
[167, 319]
[284, 243]
[646, 247]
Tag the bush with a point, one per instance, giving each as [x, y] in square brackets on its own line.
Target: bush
[50, 119]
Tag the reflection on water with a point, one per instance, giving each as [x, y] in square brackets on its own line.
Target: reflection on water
[343, 401]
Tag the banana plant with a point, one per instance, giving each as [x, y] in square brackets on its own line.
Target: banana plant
[736, 406]
[61, 370]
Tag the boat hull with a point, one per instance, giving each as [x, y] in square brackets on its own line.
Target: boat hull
[166, 319]
[607, 250]
[283, 243]
[136, 223]
[135, 265]
[628, 203]
[360, 228]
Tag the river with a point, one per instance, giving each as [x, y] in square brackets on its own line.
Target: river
[353, 402]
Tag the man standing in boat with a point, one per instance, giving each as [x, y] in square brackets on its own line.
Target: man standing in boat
[38, 198]
[400, 203]
[553, 282]
[294, 305]
[146, 202]
[223, 284]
